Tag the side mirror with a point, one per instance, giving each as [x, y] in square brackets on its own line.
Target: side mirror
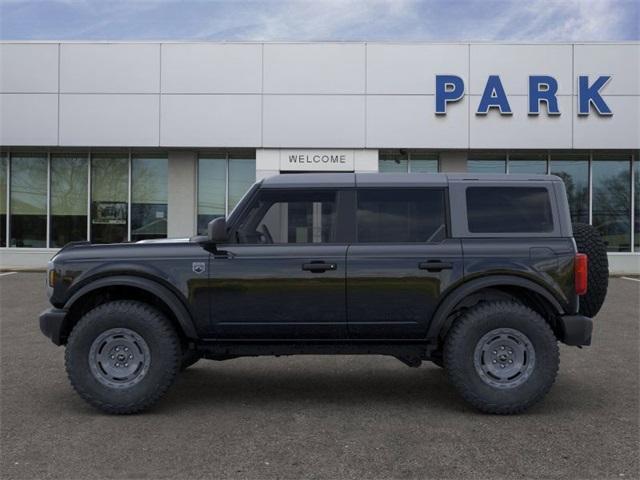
[217, 230]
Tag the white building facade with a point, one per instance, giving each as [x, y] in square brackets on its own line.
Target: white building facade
[113, 142]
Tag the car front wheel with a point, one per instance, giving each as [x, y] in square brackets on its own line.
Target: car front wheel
[122, 356]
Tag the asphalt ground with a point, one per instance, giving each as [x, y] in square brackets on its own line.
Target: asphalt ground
[336, 417]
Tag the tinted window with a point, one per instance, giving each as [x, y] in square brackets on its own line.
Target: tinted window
[401, 215]
[68, 220]
[508, 210]
[290, 216]
[573, 169]
[28, 201]
[149, 197]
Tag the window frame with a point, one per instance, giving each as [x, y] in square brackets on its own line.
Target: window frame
[447, 214]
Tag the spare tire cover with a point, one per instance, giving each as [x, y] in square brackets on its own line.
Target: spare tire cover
[590, 242]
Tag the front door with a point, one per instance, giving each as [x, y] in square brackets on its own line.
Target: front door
[401, 263]
[284, 277]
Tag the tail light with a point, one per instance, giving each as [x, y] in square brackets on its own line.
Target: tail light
[580, 273]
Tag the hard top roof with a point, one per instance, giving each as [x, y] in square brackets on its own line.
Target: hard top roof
[319, 180]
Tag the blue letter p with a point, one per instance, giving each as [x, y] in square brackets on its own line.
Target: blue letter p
[449, 88]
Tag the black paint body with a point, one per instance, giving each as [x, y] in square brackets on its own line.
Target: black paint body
[374, 293]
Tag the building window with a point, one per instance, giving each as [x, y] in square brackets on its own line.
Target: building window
[242, 174]
[109, 196]
[573, 169]
[400, 161]
[611, 210]
[528, 162]
[487, 162]
[68, 209]
[149, 194]
[28, 202]
[222, 181]
[636, 202]
[4, 165]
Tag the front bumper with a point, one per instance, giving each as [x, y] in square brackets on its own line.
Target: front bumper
[576, 330]
[53, 323]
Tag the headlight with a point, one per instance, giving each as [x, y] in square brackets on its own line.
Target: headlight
[53, 277]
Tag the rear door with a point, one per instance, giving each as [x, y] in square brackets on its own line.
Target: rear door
[401, 262]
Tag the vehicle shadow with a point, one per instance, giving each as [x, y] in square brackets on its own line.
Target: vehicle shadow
[207, 386]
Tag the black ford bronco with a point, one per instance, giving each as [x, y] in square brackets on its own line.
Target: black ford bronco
[482, 275]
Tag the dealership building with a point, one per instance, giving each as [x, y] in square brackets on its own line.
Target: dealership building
[117, 142]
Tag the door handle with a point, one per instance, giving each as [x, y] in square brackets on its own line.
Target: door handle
[318, 267]
[435, 266]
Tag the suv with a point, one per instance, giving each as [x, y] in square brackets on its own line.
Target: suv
[479, 274]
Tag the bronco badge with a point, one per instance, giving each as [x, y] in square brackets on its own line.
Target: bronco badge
[198, 267]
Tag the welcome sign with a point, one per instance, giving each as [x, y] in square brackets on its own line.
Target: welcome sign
[317, 160]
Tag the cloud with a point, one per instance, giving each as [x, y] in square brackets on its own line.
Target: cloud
[330, 20]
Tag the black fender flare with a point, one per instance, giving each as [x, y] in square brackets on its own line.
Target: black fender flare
[444, 309]
[174, 304]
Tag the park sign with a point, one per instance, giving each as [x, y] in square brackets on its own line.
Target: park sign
[542, 90]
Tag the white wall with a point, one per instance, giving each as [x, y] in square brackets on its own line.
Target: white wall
[314, 95]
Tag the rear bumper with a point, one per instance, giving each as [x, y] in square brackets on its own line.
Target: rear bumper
[52, 323]
[576, 330]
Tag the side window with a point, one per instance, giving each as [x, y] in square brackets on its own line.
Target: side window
[509, 210]
[290, 216]
[401, 215]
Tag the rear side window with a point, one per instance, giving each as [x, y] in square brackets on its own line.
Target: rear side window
[401, 215]
[509, 210]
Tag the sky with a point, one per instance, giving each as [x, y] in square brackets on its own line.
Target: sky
[321, 20]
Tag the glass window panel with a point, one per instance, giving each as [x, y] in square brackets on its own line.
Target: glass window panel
[292, 216]
[636, 216]
[68, 199]
[611, 185]
[528, 166]
[509, 210]
[574, 171]
[212, 173]
[109, 195]
[4, 161]
[486, 166]
[423, 163]
[28, 201]
[149, 195]
[242, 174]
[401, 215]
[393, 162]
[528, 162]
[487, 162]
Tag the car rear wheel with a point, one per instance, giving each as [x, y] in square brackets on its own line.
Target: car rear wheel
[502, 357]
[123, 356]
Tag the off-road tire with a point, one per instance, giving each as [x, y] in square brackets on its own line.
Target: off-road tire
[466, 333]
[157, 332]
[189, 357]
[589, 241]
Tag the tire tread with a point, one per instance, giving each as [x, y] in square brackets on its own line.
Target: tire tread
[164, 328]
[452, 355]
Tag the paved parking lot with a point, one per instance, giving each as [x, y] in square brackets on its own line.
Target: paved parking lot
[319, 417]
